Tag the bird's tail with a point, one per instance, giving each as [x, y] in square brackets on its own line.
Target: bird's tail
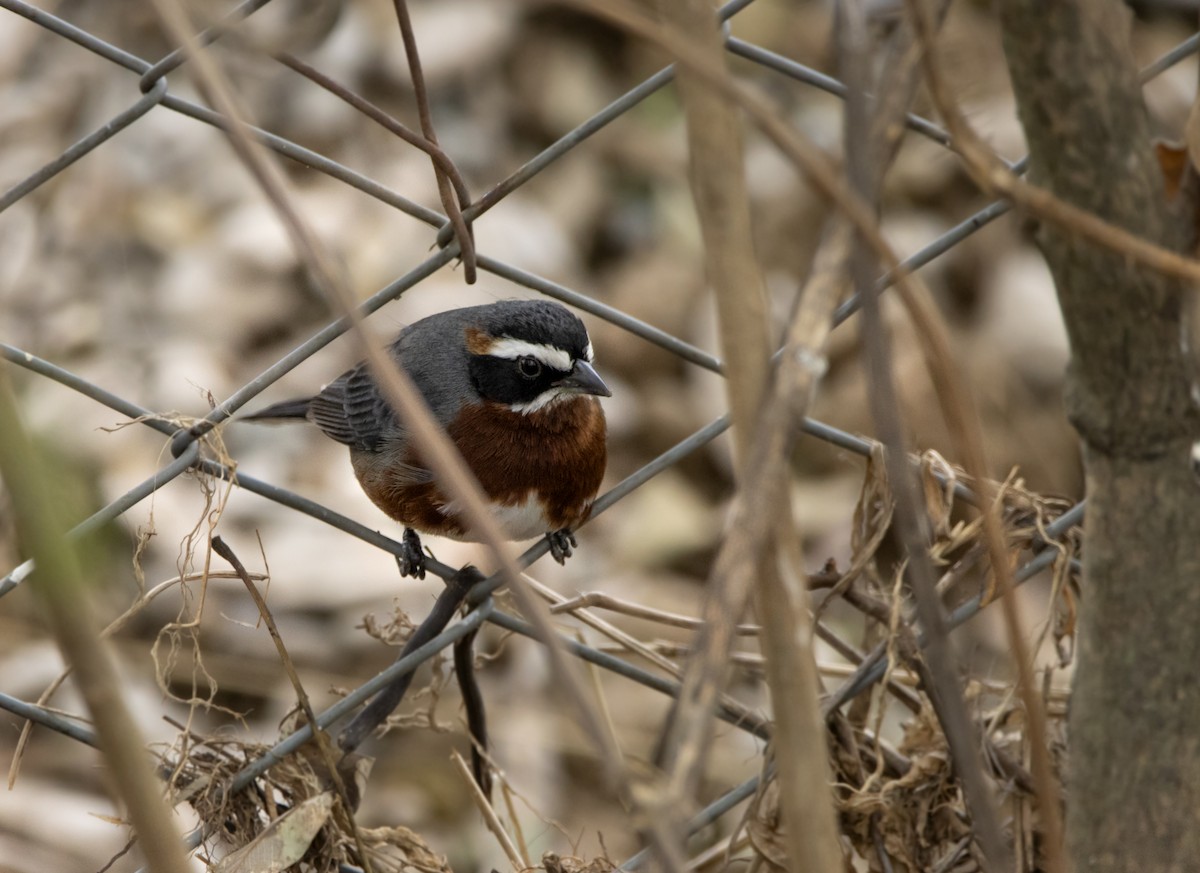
[288, 409]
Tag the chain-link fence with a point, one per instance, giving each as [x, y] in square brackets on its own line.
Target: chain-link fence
[192, 451]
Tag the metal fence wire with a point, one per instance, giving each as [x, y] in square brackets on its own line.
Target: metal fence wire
[156, 93]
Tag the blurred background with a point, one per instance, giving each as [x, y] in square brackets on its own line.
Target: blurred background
[155, 268]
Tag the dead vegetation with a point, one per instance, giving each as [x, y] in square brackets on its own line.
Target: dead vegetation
[895, 787]
[627, 606]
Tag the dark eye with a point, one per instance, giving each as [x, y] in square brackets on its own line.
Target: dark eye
[530, 368]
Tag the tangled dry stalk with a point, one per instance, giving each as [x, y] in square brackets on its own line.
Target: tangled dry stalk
[896, 798]
[901, 789]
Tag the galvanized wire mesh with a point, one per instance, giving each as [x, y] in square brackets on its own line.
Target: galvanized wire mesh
[155, 96]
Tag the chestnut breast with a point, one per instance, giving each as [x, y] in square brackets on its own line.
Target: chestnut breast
[556, 455]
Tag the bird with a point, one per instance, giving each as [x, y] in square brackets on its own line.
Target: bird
[513, 384]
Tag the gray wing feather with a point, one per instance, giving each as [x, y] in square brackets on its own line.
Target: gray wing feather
[345, 411]
[352, 411]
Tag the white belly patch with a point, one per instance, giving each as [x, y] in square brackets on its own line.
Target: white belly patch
[519, 521]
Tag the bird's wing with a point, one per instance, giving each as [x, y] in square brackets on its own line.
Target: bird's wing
[352, 410]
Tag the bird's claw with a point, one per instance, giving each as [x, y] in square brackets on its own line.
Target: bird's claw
[562, 542]
[411, 559]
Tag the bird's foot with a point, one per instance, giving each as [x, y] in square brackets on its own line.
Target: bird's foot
[411, 559]
[561, 544]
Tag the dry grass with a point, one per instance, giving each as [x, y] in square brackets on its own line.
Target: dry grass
[895, 787]
[203, 658]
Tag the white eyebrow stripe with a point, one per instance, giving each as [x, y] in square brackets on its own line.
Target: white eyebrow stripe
[507, 347]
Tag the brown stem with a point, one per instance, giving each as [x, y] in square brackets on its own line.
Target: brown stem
[466, 242]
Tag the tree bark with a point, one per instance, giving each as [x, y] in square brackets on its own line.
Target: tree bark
[1134, 772]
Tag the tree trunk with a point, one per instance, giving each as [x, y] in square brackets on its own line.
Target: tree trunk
[1133, 782]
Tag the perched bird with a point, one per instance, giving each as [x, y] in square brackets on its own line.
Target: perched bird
[512, 383]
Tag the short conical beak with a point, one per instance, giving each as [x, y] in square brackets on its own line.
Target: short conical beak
[584, 380]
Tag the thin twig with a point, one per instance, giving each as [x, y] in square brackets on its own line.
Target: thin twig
[442, 161]
[910, 518]
[462, 229]
[519, 836]
[489, 814]
[324, 747]
[111, 628]
[385, 702]
[629, 642]
[963, 419]
[722, 206]
[639, 610]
